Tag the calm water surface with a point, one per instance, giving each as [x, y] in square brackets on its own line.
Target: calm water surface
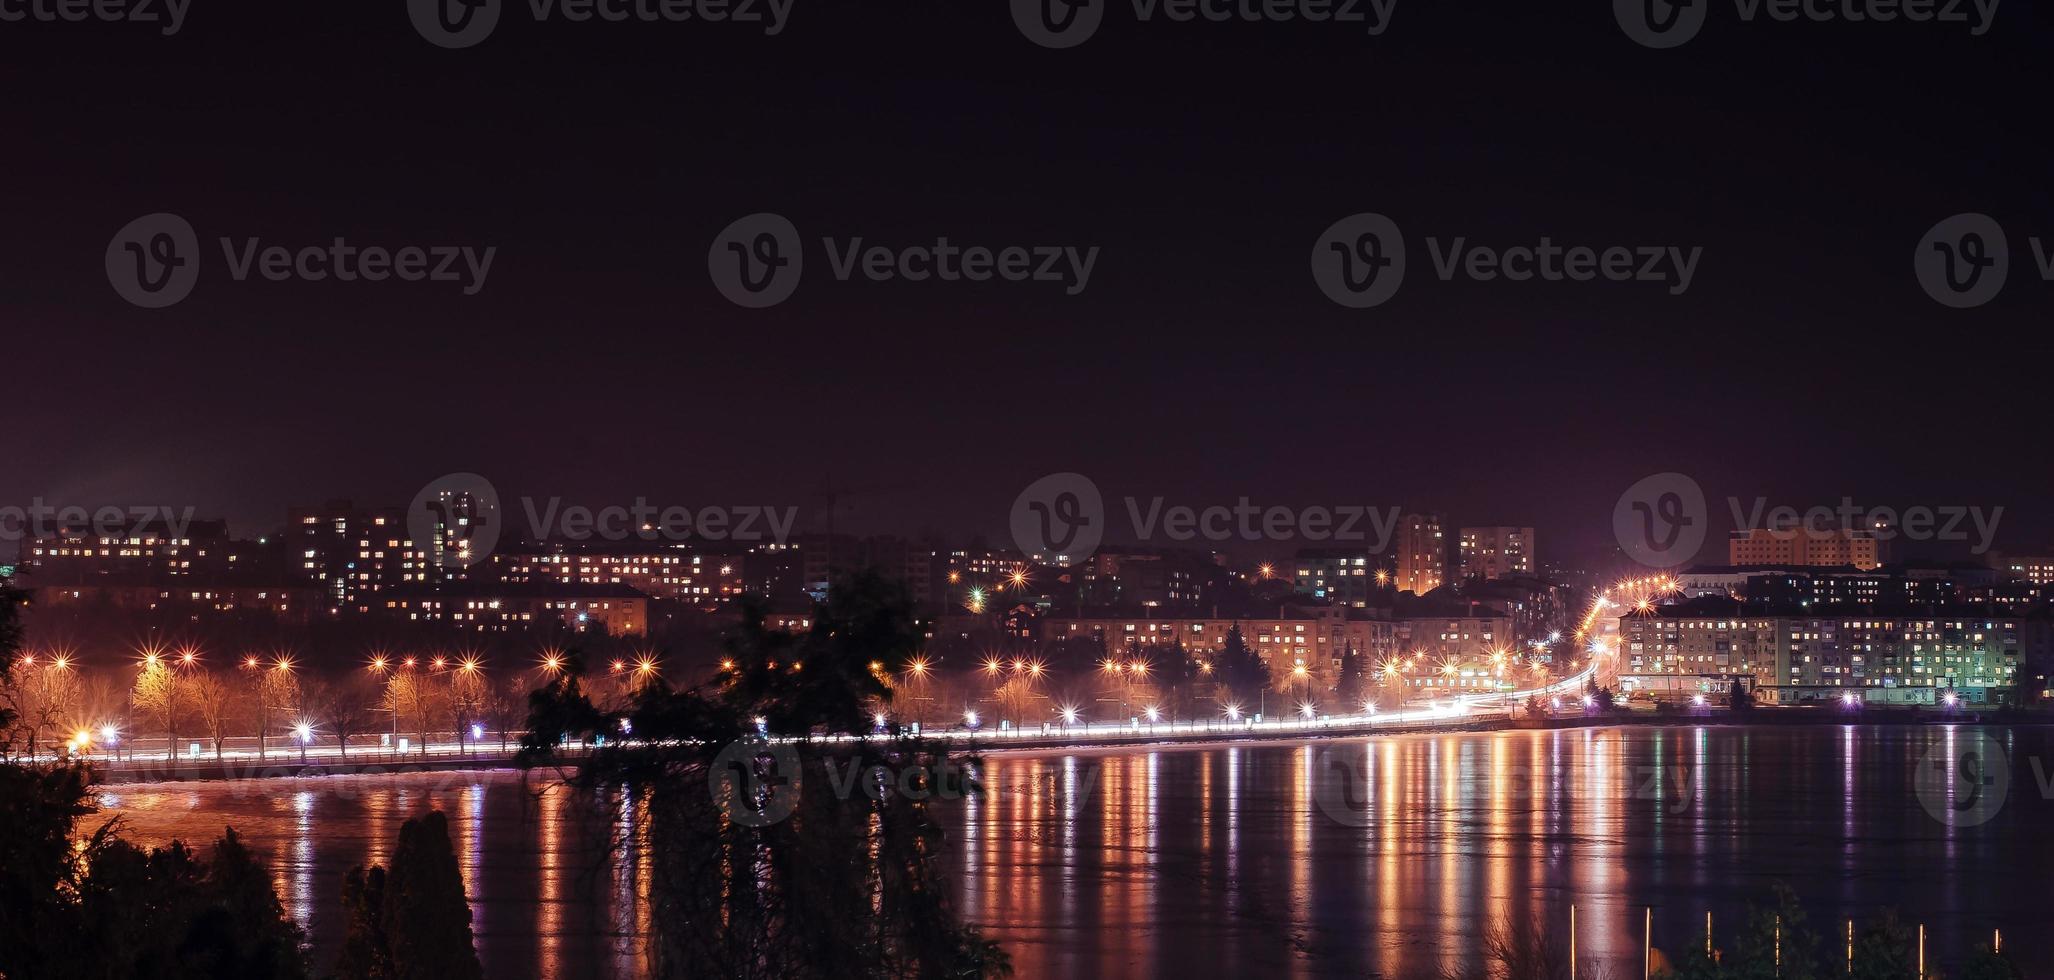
[1385, 856]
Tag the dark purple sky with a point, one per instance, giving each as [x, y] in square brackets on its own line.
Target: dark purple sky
[1202, 364]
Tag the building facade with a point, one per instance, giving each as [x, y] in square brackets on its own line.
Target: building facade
[1421, 563]
[1804, 546]
[1496, 552]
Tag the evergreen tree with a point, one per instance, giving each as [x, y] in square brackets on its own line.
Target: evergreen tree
[1240, 669]
[1354, 680]
[1177, 671]
[836, 884]
[1777, 942]
[410, 922]
[427, 921]
[1988, 964]
[1884, 950]
[366, 951]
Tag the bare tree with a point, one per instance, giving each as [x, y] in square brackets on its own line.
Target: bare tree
[506, 708]
[45, 694]
[409, 695]
[221, 707]
[157, 692]
[344, 707]
[278, 694]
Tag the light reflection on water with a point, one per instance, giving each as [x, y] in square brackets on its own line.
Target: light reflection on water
[1244, 858]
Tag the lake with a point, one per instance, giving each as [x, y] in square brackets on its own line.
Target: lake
[1387, 855]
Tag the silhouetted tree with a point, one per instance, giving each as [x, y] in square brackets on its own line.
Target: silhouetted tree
[839, 877]
[366, 950]
[1353, 686]
[1777, 941]
[1883, 950]
[1987, 964]
[1239, 668]
[410, 922]
[1739, 697]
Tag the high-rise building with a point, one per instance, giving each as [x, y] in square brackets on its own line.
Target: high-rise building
[353, 553]
[1803, 546]
[1495, 552]
[1421, 562]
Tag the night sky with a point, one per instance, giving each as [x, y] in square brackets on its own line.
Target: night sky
[1202, 363]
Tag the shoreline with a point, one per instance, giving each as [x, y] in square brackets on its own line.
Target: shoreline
[164, 771]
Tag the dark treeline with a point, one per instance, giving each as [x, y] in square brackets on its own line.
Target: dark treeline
[744, 883]
[80, 903]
